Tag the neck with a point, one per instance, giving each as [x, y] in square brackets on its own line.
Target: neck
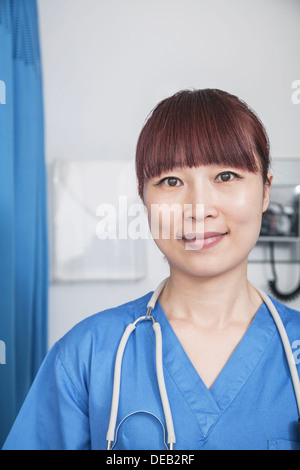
[214, 302]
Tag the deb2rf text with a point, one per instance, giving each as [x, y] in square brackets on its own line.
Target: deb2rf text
[171, 459]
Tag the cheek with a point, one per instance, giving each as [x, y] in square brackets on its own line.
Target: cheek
[245, 212]
[164, 220]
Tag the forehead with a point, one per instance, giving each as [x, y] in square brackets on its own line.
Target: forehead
[219, 151]
[182, 169]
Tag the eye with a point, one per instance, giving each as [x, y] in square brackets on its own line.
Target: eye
[170, 181]
[226, 176]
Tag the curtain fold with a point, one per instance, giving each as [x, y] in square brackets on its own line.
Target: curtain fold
[23, 208]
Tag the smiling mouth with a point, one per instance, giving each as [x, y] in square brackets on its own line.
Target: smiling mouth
[202, 242]
[190, 237]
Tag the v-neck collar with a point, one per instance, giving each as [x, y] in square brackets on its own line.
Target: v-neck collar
[208, 404]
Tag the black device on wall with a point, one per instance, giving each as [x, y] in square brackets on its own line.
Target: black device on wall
[281, 224]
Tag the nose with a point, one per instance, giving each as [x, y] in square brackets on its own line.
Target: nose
[200, 203]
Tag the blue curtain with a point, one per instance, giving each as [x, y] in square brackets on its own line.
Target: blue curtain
[23, 208]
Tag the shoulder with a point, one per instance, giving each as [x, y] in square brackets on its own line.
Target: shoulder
[91, 344]
[99, 330]
[289, 316]
[291, 320]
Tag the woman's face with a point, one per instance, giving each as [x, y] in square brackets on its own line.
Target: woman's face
[220, 208]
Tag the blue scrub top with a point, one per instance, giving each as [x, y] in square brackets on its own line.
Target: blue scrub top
[251, 404]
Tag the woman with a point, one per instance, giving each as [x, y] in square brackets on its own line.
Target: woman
[225, 371]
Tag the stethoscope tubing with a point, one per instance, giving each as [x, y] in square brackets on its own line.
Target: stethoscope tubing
[110, 437]
[286, 345]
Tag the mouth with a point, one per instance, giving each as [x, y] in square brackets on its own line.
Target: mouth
[202, 236]
[202, 241]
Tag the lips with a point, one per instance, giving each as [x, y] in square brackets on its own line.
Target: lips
[202, 241]
[201, 236]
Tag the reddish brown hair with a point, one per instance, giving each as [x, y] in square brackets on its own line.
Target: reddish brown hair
[201, 127]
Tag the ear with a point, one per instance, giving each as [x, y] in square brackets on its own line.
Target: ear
[267, 189]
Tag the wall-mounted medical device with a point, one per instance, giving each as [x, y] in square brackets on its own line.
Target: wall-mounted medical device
[281, 222]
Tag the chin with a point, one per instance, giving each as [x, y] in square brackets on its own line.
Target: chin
[208, 267]
[202, 270]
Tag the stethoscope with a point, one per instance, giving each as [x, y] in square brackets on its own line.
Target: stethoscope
[171, 439]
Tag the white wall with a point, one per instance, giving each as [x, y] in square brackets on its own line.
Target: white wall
[107, 63]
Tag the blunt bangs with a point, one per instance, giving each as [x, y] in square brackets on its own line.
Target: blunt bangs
[201, 127]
